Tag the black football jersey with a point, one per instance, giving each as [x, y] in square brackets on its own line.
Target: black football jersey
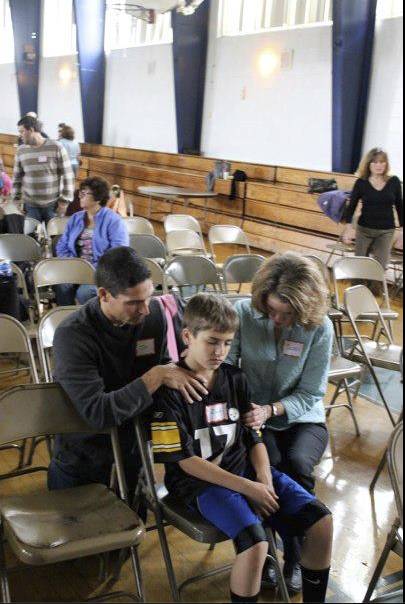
[211, 429]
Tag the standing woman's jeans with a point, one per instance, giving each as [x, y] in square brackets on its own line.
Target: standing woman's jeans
[377, 242]
[68, 293]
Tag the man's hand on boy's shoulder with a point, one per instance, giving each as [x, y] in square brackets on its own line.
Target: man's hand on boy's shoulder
[183, 380]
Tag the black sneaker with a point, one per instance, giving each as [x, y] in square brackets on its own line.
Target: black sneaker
[293, 578]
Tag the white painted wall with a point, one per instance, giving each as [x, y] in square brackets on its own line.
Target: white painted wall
[9, 105]
[385, 110]
[140, 103]
[282, 119]
[59, 99]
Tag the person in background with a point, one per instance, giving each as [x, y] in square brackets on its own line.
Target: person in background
[379, 193]
[72, 147]
[60, 126]
[6, 184]
[117, 201]
[43, 178]
[33, 115]
[284, 345]
[88, 235]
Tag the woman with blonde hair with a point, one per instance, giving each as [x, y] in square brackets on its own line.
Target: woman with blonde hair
[284, 345]
[379, 193]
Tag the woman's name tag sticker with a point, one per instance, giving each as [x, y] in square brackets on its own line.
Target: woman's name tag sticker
[215, 414]
[145, 347]
[293, 349]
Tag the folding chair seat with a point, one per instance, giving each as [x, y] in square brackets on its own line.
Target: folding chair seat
[358, 300]
[169, 510]
[394, 540]
[48, 527]
[137, 225]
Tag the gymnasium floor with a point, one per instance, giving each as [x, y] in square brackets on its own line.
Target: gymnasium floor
[361, 524]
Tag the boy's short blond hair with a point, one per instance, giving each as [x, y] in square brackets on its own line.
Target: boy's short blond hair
[209, 311]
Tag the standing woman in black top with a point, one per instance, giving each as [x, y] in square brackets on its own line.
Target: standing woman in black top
[379, 193]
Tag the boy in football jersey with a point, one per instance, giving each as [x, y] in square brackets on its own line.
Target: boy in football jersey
[222, 469]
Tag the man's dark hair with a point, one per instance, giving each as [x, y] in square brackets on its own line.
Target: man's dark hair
[120, 269]
[30, 123]
[99, 188]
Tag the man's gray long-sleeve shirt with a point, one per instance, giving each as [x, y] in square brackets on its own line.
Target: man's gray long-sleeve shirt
[99, 366]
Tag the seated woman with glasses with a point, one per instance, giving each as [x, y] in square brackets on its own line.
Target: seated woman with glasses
[88, 235]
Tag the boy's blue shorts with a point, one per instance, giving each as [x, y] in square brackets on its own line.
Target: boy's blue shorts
[231, 513]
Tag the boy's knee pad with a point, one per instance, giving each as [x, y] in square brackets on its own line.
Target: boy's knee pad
[312, 513]
[249, 536]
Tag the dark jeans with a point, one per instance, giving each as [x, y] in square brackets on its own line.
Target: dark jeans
[43, 214]
[67, 294]
[296, 452]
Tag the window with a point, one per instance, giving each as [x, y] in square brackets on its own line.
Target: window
[124, 30]
[389, 8]
[253, 16]
[58, 28]
[6, 33]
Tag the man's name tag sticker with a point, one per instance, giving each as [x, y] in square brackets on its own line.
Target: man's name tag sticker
[145, 347]
[217, 413]
[42, 159]
[293, 349]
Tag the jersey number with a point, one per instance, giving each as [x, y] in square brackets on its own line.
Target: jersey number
[203, 435]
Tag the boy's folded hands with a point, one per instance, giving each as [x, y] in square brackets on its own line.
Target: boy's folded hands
[263, 498]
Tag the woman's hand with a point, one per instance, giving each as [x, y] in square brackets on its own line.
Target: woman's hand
[348, 235]
[257, 416]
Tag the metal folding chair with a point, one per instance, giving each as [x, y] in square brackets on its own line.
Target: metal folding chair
[149, 246]
[344, 374]
[20, 248]
[14, 340]
[364, 269]
[137, 225]
[195, 271]
[169, 511]
[241, 268]
[55, 271]
[185, 242]
[157, 274]
[54, 230]
[225, 234]
[394, 540]
[23, 291]
[360, 302]
[47, 527]
[46, 332]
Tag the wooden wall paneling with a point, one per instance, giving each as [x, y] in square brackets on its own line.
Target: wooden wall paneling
[296, 217]
[263, 233]
[282, 196]
[8, 138]
[300, 177]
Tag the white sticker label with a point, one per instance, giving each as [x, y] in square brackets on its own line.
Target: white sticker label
[215, 414]
[145, 347]
[42, 159]
[293, 349]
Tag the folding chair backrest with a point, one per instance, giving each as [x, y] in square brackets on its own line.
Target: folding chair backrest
[358, 267]
[157, 273]
[359, 300]
[176, 241]
[39, 410]
[395, 466]
[54, 271]
[242, 268]
[227, 234]
[193, 270]
[136, 225]
[14, 339]
[179, 222]
[148, 246]
[321, 266]
[56, 226]
[46, 333]
[19, 248]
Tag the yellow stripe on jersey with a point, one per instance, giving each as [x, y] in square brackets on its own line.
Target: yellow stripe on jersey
[165, 437]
